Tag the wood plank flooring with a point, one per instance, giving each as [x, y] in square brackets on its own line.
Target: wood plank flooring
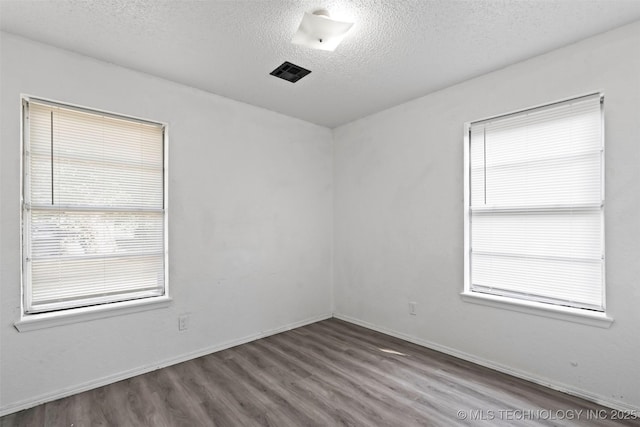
[330, 373]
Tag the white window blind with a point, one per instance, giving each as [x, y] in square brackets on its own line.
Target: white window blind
[94, 215]
[536, 204]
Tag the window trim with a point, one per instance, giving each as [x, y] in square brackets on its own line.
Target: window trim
[33, 321]
[573, 314]
[570, 314]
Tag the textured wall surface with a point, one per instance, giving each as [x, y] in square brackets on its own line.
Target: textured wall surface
[398, 209]
[251, 196]
[249, 225]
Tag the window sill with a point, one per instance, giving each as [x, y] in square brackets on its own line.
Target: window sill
[33, 322]
[569, 314]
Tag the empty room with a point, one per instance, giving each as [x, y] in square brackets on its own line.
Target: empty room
[319, 213]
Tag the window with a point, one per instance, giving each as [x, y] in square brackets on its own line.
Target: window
[534, 203]
[94, 219]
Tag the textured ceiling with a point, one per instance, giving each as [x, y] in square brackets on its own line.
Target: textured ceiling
[396, 51]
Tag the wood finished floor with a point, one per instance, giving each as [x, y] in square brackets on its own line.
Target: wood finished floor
[330, 373]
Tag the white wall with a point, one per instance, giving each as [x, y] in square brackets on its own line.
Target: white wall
[398, 227]
[249, 233]
[251, 224]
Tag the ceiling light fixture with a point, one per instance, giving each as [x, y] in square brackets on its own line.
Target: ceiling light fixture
[318, 31]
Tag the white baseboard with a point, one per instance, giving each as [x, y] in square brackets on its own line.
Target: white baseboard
[79, 388]
[564, 388]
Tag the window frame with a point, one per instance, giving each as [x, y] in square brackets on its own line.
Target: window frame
[93, 310]
[513, 303]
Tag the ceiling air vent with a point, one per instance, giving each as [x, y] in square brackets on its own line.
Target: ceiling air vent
[290, 72]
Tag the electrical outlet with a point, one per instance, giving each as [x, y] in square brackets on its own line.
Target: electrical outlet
[412, 308]
[183, 322]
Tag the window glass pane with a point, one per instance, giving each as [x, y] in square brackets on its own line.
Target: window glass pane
[536, 204]
[95, 208]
